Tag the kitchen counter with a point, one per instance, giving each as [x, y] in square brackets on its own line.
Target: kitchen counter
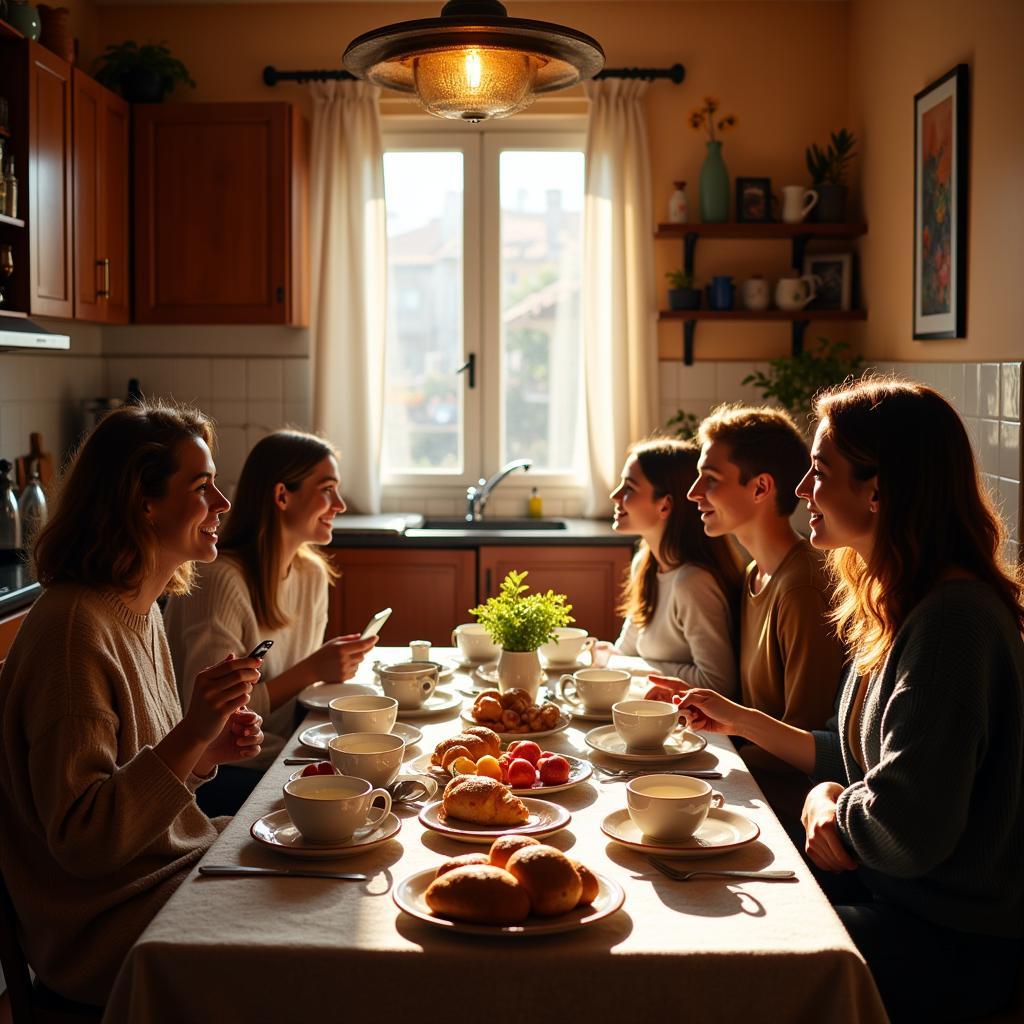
[18, 588]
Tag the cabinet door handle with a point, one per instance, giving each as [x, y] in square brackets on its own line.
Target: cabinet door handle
[104, 292]
[487, 584]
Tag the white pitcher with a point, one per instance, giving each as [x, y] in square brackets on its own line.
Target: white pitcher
[796, 292]
[797, 202]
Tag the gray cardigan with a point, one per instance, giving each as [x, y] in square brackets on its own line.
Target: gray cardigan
[937, 820]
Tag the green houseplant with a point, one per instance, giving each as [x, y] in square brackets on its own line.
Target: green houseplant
[519, 623]
[681, 292]
[684, 425]
[828, 169]
[141, 74]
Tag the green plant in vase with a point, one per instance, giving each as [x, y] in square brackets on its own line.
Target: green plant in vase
[828, 169]
[141, 74]
[682, 294]
[519, 623]
[714, 177]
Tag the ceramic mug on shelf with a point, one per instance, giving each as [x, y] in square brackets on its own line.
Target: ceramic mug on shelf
[754, 293]
[409, 682]
[721, 292]
[795, 292]
[594, 689]
[797, 202]
[363, 714]
[332, 808]
[670, 807]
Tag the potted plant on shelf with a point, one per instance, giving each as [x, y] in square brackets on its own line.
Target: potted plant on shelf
[519, 623]
[828, 175]
[141, 74]
[681, 292]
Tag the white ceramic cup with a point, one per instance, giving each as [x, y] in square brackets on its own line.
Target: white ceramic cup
[567, 649]
[374, 756]
[419, 650]
[363, 714]
[670, 806]
[332, 808]
[473, 642]
[797, 202]
[595, 689]
[644, 724]
[409, 682]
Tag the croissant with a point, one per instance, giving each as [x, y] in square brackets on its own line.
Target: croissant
[476, 747]
[483, 801]
[489, 736]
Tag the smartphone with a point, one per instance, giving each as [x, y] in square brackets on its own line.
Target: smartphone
[374, 626]
[261, 649]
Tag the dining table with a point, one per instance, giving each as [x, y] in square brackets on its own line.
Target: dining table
[712, 949]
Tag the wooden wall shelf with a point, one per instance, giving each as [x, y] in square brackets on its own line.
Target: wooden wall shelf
[14, 222]
[852, 229]
[13, 313]
[764, 314]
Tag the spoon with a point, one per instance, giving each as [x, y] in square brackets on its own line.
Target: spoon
[407, 790]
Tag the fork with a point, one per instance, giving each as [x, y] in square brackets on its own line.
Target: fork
[686, 876]
[630, 773]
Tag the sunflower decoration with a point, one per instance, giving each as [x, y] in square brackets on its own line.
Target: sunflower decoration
[705, 117]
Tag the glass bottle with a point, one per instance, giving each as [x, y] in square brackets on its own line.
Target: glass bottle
[677, 204]
[535, 507]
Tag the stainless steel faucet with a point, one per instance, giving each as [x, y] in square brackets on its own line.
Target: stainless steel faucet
[477, 495]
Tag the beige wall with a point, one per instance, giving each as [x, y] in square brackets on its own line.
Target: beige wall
[896, 49]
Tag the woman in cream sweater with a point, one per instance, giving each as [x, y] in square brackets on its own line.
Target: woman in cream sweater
[99, 767]
[680, 601]
[270, 583]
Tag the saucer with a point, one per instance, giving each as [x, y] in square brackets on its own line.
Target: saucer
[319, 736]
[721, 832]
[560, 726]
[544, 819]
[319, 696]
[409, 897]
[487, 675]
[448, 668]
[438, 701]
[579, 771]
[680, 743]
[277, 832]
[567, 669]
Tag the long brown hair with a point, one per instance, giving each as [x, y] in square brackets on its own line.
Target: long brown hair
[670, 466]
[98, 534]
[252, 531]
[933, 516]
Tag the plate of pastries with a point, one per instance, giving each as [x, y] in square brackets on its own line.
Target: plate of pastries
[519, 887]
[522, 765]
[512, 714]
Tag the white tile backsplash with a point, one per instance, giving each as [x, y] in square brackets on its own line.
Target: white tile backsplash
[988, 390]
[1009, 377]
[263, 379]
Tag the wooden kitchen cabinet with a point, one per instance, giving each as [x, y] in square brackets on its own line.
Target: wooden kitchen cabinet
[430, 590]
[591, 578]
[101, 202]
[220, 206]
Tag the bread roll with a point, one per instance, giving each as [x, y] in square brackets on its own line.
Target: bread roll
[591, 886]
[483, 801]
[489, 736]
[548, 877]
[504, 846]
[478, 893]
[461, 861]
[475, 746]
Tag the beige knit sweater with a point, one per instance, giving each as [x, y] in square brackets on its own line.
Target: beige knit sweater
[96, 832]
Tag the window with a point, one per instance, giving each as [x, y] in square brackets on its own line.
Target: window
[484, 269]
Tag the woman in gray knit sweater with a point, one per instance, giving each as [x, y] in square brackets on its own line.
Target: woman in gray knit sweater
[917, 823]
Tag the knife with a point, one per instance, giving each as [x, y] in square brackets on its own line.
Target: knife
[241, 870]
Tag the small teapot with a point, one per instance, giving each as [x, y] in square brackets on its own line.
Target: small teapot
[796, 292]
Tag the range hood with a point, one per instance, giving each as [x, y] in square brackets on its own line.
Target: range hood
[20, 332]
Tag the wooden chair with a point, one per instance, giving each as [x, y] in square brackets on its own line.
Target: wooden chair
[31, 1002]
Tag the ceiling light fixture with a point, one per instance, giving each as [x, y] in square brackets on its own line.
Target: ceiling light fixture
[474, 62]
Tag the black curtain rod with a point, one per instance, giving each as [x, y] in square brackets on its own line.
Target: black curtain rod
[271, 76]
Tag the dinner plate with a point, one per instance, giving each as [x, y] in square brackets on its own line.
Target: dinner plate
[319, 696]
[579, 771]
[721, 832]
[409, 896]
[437, 702]
[448, 667]
[277, 832]
[319, 736]
[681, 743]
[560, 726]
[545, 818]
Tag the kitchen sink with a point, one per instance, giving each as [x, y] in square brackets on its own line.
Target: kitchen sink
[495, 524]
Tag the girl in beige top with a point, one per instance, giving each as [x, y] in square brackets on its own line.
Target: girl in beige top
[99, 768]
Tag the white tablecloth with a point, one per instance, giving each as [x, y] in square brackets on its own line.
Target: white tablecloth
[292, 949]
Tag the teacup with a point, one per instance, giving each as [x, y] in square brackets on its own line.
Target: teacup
[374, 756]
[331, 808]
[363, 714]
[409, 682]
[473, 642]
[567, 648]
[594, 689]
[644, 724]
[670, 806]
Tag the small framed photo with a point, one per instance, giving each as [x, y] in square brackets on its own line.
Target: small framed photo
[835, 273]
[753, 200]
[940, 207]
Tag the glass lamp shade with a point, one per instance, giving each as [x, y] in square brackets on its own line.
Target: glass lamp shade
[474, 84]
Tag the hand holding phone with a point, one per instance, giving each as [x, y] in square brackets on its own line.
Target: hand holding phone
[374, 626]
[260, 650]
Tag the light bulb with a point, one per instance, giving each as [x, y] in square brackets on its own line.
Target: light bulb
[474, 84]
[473, 69]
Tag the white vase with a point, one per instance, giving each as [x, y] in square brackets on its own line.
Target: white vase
[519, 669]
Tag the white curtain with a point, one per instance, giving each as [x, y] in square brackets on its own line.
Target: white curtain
[348, 239]
[620, 309]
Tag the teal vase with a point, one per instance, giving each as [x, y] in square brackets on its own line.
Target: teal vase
[714, 187]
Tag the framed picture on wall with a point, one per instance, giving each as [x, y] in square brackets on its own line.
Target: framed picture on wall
[940, 207]
[835, 273]
[753, 200]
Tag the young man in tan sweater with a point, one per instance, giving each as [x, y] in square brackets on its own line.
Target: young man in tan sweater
[790, 657]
